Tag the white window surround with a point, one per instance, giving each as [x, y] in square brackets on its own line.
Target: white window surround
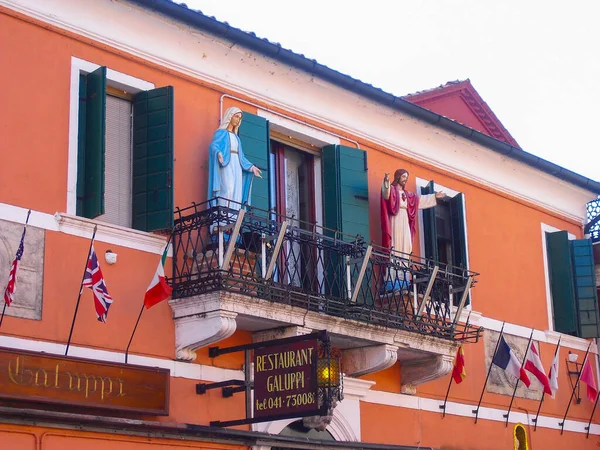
[114, 79]
[292, 128]
[549, 229]
[82, 227]
[420, 182]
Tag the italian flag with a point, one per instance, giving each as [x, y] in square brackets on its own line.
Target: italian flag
[158, 290]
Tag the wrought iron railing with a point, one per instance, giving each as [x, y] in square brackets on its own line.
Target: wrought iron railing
[593, 216]
[283, 260]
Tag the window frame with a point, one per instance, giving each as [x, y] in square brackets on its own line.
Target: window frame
[114, 79]
[420, 183]
[277, 149]
[545, 228]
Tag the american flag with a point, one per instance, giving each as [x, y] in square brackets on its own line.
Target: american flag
[9, 293]
[94, 280]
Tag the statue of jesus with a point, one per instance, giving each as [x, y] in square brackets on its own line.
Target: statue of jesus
[399, 212]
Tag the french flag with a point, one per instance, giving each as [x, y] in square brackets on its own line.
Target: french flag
[506, 359]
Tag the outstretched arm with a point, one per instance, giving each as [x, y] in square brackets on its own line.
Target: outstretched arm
[430, 200]
[385, 187]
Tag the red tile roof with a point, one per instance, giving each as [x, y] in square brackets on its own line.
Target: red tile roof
[458, 100]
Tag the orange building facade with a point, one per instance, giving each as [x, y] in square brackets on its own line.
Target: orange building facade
[486, 259]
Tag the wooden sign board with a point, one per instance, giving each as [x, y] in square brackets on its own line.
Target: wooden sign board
[60, 380]
[285, 379]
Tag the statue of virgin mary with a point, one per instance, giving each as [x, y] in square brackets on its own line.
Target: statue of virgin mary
[230, 174]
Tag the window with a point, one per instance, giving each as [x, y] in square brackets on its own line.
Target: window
[293, 193]
[444, 230]
[572, 284]
[292, 177]
[326, 186]
[124, 152]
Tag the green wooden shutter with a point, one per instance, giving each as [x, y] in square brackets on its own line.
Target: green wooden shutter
[585, 288]
[254, 135]
[153, 159]
[82, 125]
[91, 144]
[561, 282]
[345, 207]
[459, 243]
[429, 226]
[346, 191]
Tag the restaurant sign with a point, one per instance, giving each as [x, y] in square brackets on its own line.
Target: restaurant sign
[285, 379]
[291, 377]
[77, 382]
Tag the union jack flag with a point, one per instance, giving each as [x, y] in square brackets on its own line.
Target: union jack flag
[94, 280]
[9, 292]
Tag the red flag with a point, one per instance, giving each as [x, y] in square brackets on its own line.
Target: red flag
[587, 376]
[458, 371]
[534, 365]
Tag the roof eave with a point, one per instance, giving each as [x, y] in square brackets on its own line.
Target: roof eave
[275, 51]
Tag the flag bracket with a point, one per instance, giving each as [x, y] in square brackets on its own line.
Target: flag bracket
[229, 387]
[574, 370]
[562, 424]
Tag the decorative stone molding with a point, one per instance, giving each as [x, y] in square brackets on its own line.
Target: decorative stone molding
[417, 342]
[356, 389]
[196, 328]
[113, 234]
[421, 371]
[280, 333]
[320, 423]
[342, 426]
[552, 337]
[364, 360]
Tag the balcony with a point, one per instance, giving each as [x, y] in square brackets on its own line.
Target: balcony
[593, 220]
[244, 268]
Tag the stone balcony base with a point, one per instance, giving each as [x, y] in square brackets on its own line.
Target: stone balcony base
[209, 318]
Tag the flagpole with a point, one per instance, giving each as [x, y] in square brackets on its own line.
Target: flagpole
[476, 411]
[544, 392]
[562, 424]
[3, 311]
[589, 425]
[133, 332]
[141, 311]
[443, 407]
[80, 290]
[507, 415]
[24, 229]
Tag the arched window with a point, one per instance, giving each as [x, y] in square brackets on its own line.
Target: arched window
[297, 429]
[520, 435]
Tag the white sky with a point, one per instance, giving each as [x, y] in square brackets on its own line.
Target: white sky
[536, 63]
